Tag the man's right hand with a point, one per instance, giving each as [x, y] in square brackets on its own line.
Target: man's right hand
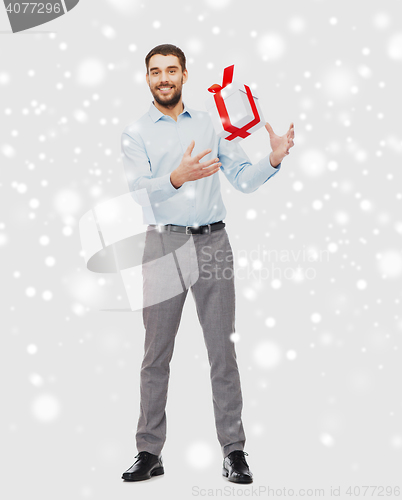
[190, 169]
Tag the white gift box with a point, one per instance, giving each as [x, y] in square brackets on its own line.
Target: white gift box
[239, 110]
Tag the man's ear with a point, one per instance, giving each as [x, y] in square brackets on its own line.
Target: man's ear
[185, 76]
[147, 78]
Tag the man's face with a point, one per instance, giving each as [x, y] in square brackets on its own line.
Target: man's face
[165, 79]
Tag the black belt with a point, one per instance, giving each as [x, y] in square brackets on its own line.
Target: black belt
[208, 228]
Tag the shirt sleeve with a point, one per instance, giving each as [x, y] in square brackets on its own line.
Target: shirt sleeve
[238, 169]
[137, 167]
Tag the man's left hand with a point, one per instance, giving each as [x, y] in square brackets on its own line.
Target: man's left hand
[280, 144]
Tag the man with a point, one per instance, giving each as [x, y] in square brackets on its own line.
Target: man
[174, 154]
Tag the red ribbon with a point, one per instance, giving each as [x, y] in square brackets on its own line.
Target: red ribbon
[223, 112]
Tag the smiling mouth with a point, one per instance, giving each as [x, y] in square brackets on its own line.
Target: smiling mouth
[165, 90]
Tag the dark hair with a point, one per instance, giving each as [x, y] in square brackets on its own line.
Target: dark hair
[167, 50]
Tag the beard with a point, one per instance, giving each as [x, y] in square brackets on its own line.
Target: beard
[168, 101]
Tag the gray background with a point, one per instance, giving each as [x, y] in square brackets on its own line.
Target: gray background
[319, 355]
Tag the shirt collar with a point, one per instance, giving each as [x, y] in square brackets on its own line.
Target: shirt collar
[155, 114]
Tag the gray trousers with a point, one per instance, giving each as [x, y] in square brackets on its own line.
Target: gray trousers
[172, 263]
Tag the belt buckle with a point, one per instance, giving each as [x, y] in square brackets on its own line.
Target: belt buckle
[186, 230]
[209, 228]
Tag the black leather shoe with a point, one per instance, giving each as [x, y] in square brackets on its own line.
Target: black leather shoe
[235, 467]
[146, 466]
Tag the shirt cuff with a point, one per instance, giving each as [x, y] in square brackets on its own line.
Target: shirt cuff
[168, 186]
[265, 166]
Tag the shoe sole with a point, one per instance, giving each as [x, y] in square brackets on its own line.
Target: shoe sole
[225, 473]
[156, 472]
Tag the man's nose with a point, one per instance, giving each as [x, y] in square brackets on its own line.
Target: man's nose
[164, 77]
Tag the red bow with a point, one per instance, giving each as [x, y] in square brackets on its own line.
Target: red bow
[223, 112]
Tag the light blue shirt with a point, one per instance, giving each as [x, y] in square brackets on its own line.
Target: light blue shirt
[153, 146]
